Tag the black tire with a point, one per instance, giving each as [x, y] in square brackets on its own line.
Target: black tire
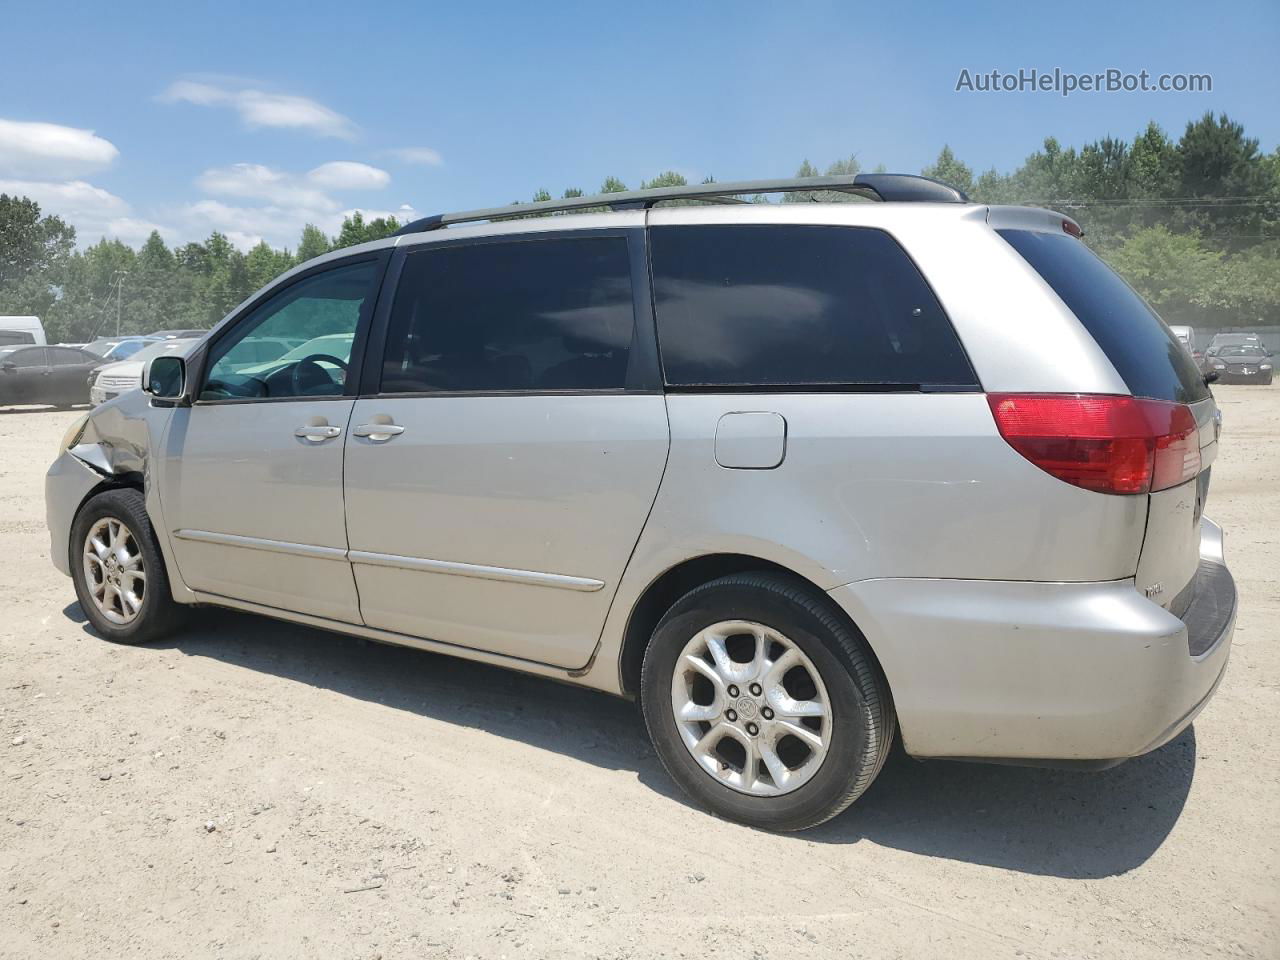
[862, 716]
[157, 614]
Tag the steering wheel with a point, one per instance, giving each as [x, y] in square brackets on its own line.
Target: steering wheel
[316, 375]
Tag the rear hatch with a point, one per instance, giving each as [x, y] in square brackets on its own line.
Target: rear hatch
[1154, 365]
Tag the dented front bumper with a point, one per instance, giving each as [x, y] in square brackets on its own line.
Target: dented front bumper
[66, 485]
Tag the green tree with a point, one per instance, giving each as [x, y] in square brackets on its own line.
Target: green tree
[34, 251]
[1219, 164]
[264, 263]
[1174, 272]
[312, 243]
[950, 170]
[356, 230]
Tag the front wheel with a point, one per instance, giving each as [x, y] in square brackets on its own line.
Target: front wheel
[118, 570]
[764, 704]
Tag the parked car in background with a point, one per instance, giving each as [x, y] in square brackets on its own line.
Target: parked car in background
[117, 348]
[1243, 363]
[21, 330]
[1187, 337]
[178, 334]
[112, 379]
[1222, 340]
[253, 351]
[802, 478]
[327, 351]
[53, 375]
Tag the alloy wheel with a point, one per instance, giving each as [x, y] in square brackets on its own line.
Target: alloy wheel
[751, 708]
[114, 571]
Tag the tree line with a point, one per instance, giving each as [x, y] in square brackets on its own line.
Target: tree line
[1192, 224]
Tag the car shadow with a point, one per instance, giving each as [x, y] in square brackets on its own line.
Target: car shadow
[1059, 823]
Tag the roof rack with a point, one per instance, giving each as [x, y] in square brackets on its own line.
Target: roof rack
[890, 187]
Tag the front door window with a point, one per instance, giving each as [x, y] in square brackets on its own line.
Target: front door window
[298, 343]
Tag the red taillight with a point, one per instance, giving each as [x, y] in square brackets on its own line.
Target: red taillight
[1110, 444]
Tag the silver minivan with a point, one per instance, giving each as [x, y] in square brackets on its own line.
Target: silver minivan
[802, 478]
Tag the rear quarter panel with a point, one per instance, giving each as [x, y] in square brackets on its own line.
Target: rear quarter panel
[874, 486]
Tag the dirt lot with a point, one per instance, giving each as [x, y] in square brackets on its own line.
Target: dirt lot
[252, 789]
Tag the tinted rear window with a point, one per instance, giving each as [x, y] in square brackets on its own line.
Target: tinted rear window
[765, 305]
[539, 314]
[1146, 354]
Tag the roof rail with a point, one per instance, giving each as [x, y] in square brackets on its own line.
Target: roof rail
[891, 187]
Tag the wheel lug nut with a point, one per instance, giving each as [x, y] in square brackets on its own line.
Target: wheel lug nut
[733, 690]
[756, 690]
[752, 729]
[767, 713]
[731, 715]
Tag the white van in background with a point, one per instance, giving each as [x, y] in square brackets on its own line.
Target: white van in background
[15, 331]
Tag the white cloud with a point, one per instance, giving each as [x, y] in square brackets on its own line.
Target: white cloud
[134, 231]
[289, 201]
[404, 213]
[93, 211]
[255, 181]
[258, 108]
[348, 175]
[280, 226]
[424, 156]
[51, 150]
[72, 200]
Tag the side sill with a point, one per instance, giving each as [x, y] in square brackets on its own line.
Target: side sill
[1083, 766]
[395, 639]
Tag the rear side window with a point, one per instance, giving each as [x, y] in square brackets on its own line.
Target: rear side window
[531, 315]
[1146, 354]
[33, 357]
[797, 306]
[61, 356]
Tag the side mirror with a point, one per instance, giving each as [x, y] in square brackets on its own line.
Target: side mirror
[8, 366]
[1211, 377]
[165, 378]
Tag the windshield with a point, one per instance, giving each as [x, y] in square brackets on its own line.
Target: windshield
[125, 349]
[1242, 352]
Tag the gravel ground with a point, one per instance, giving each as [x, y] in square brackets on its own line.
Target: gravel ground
[254, 789]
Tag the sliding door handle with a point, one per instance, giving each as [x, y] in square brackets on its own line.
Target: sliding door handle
[378, 431]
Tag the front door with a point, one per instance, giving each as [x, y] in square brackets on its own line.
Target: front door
[497, 482]
[253, 478]
[26, 376]
[69, 370]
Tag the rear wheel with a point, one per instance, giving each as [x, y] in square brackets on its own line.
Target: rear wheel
[118, 570]
[764, 704]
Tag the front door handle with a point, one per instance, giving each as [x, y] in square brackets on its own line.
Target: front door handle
[378, 431]
[317, 434]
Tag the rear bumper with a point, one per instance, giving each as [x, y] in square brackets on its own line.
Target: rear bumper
[1006, 670]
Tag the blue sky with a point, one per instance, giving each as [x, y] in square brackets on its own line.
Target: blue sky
[256, 118]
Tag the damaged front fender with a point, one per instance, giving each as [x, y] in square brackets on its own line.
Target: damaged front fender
[117, 446]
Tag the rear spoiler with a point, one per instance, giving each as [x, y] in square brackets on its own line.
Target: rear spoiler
[1032, 218]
